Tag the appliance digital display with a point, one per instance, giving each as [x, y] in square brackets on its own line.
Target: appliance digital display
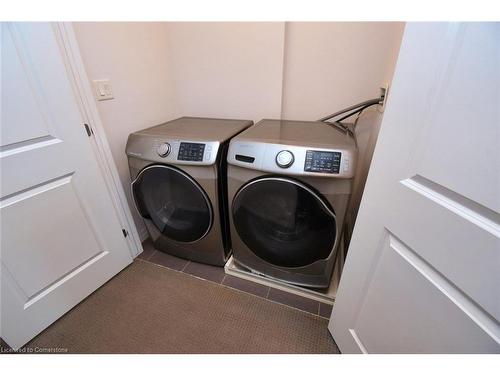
[191, 151]
[322, 161]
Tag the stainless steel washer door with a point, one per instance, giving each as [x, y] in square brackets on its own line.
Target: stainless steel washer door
[174, 202]
[284, 222]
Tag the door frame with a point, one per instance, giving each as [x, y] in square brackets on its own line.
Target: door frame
[77, 75]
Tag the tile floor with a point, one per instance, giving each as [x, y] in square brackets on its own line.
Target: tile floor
[217, 275]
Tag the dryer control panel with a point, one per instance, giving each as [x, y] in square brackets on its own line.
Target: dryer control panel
[172, 151]
[322, 161]
[293, 159]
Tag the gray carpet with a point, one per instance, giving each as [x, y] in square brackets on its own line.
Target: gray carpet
[151, 309]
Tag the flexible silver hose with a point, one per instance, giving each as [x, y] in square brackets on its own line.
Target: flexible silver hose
[356, 106]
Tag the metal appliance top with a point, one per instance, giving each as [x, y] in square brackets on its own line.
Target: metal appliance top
[299, 133]
[295, 148]
[197, 128]
[184, 141]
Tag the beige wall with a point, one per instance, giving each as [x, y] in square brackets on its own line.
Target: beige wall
[331, 65]
[231, 70]
[134, 56]
[299, 71]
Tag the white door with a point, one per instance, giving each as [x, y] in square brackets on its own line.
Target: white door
[423, 270]
[60, 234]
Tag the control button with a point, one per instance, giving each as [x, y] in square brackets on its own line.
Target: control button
[163, 149]
[284, 159]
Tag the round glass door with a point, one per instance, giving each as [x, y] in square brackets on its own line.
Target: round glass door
[174, 202]
[284, 222]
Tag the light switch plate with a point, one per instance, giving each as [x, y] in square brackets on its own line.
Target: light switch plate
[102, 89]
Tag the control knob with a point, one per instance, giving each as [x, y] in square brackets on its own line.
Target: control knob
[163, 149]
[284, 159]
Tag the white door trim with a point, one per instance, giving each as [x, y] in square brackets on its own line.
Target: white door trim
[78, 76]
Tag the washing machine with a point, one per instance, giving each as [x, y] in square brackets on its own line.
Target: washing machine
[179, 186]
[289, 184]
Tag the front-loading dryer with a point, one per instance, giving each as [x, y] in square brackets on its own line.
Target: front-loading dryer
[289, 184]
[179, 186]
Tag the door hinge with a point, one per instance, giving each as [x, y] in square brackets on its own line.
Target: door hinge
[125, 233]
[88, 129]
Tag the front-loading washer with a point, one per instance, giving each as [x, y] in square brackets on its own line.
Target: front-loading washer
[289, 184]
[179, 187]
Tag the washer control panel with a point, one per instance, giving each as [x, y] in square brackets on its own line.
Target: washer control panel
[191, 151]
[163, 149]
[173, 151]
[322, 161]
